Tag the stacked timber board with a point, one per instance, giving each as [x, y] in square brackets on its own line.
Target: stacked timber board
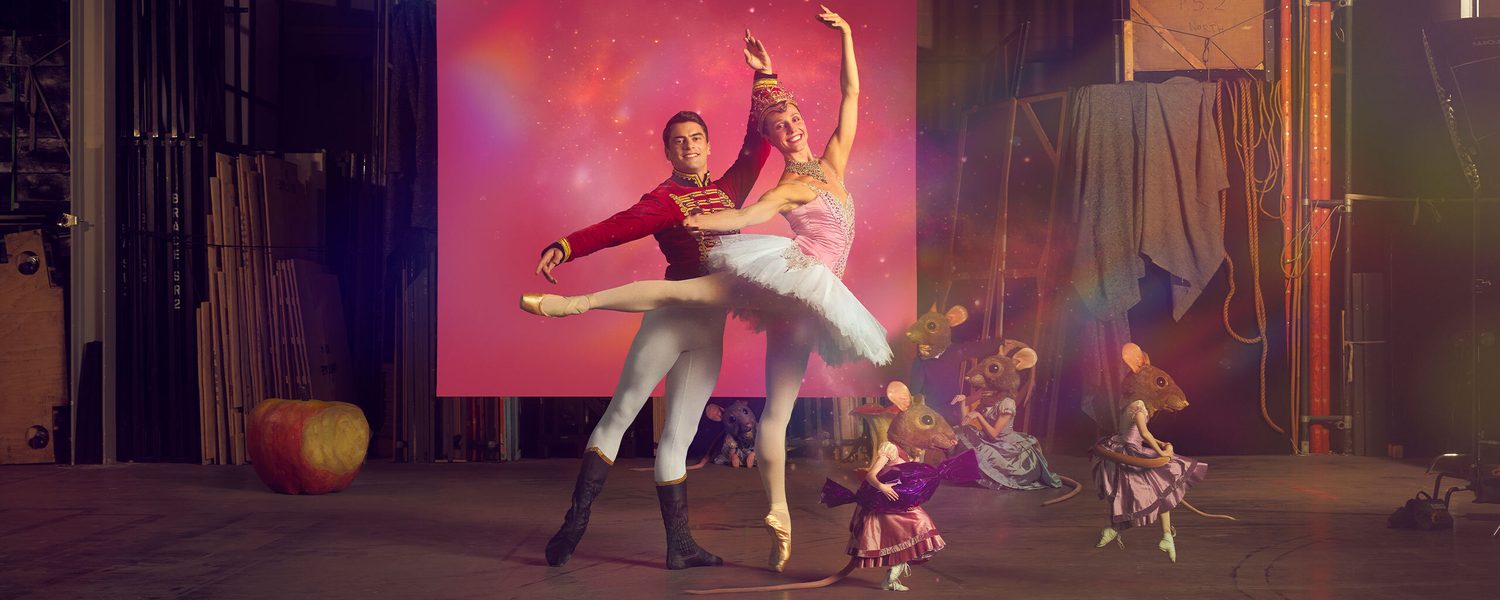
[272, 326]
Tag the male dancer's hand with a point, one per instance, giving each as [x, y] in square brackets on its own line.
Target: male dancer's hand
[550, 259]
[756, 55]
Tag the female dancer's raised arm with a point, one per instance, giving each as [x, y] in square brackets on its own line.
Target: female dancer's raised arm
[837, 151]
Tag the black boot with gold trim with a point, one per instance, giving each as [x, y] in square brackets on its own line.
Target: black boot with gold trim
[590, 482]
[682, 551]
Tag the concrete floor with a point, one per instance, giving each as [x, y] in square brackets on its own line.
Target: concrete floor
[1311, 527]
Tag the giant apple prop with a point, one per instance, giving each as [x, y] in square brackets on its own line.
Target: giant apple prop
[307, 446]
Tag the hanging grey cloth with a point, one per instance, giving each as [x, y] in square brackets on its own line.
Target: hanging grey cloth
[1108, 126]
[1184, 173]
[1148, 169]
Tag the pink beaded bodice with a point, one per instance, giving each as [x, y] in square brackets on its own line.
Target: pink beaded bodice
[823, 229]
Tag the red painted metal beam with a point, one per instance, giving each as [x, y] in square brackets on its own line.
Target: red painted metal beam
[1307, 233]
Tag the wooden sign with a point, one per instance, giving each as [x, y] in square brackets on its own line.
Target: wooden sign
[1195, 35]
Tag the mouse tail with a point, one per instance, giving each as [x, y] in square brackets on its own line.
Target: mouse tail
[1070, 482]
[806, 585]
[1125, 459]
[693, 467]
[1207, 515]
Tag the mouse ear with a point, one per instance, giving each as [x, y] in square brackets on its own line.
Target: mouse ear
[956, 315]
[1009, 347]
[714, 412]
[899, 395]
[1134, 357]
[1025, 358]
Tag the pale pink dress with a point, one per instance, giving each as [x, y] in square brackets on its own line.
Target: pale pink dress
[883, 539]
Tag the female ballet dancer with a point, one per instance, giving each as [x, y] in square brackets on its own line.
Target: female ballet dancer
[791, 288]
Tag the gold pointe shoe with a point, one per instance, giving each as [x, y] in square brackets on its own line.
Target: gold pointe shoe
[781, 550]
[532, 303]
[1169, 546]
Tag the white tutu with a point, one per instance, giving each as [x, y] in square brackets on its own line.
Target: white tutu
[774, 263]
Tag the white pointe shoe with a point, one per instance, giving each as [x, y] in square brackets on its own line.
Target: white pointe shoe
[1168, 546]
[893, 579]
[1109, 534]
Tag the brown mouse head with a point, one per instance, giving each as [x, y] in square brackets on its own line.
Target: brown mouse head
[1150, 385]
[933, 332]
[999, 375]
[918, 427]
[739, 421]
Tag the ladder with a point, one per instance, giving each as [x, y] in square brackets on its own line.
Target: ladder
[993, 140]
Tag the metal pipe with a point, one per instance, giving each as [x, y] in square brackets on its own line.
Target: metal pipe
[1348, 395]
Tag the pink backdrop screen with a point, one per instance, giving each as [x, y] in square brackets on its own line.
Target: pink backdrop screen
[550, 118]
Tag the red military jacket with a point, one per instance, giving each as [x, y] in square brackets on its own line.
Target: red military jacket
[660, 212]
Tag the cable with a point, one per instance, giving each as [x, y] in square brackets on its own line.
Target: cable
[1240, 93]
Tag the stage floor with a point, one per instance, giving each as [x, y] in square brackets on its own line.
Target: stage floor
[1310, 527]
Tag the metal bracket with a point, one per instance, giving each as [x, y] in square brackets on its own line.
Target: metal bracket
[1340, 422]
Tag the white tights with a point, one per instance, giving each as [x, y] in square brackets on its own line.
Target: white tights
[694, 358]
[789, 342]
[641, 296]
[684, 344]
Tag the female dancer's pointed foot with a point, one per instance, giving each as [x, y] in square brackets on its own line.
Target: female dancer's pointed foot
[552, 305]
[1109, 534]
[1168, 546]
[781, 545]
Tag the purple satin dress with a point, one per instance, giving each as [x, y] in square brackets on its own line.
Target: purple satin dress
[1137, 496]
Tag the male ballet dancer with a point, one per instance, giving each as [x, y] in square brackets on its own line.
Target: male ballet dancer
[683, 343]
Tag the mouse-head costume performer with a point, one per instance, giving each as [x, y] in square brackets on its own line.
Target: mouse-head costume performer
[684, 344]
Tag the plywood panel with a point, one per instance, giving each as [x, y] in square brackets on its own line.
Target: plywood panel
[326, 337]
[33, 359]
